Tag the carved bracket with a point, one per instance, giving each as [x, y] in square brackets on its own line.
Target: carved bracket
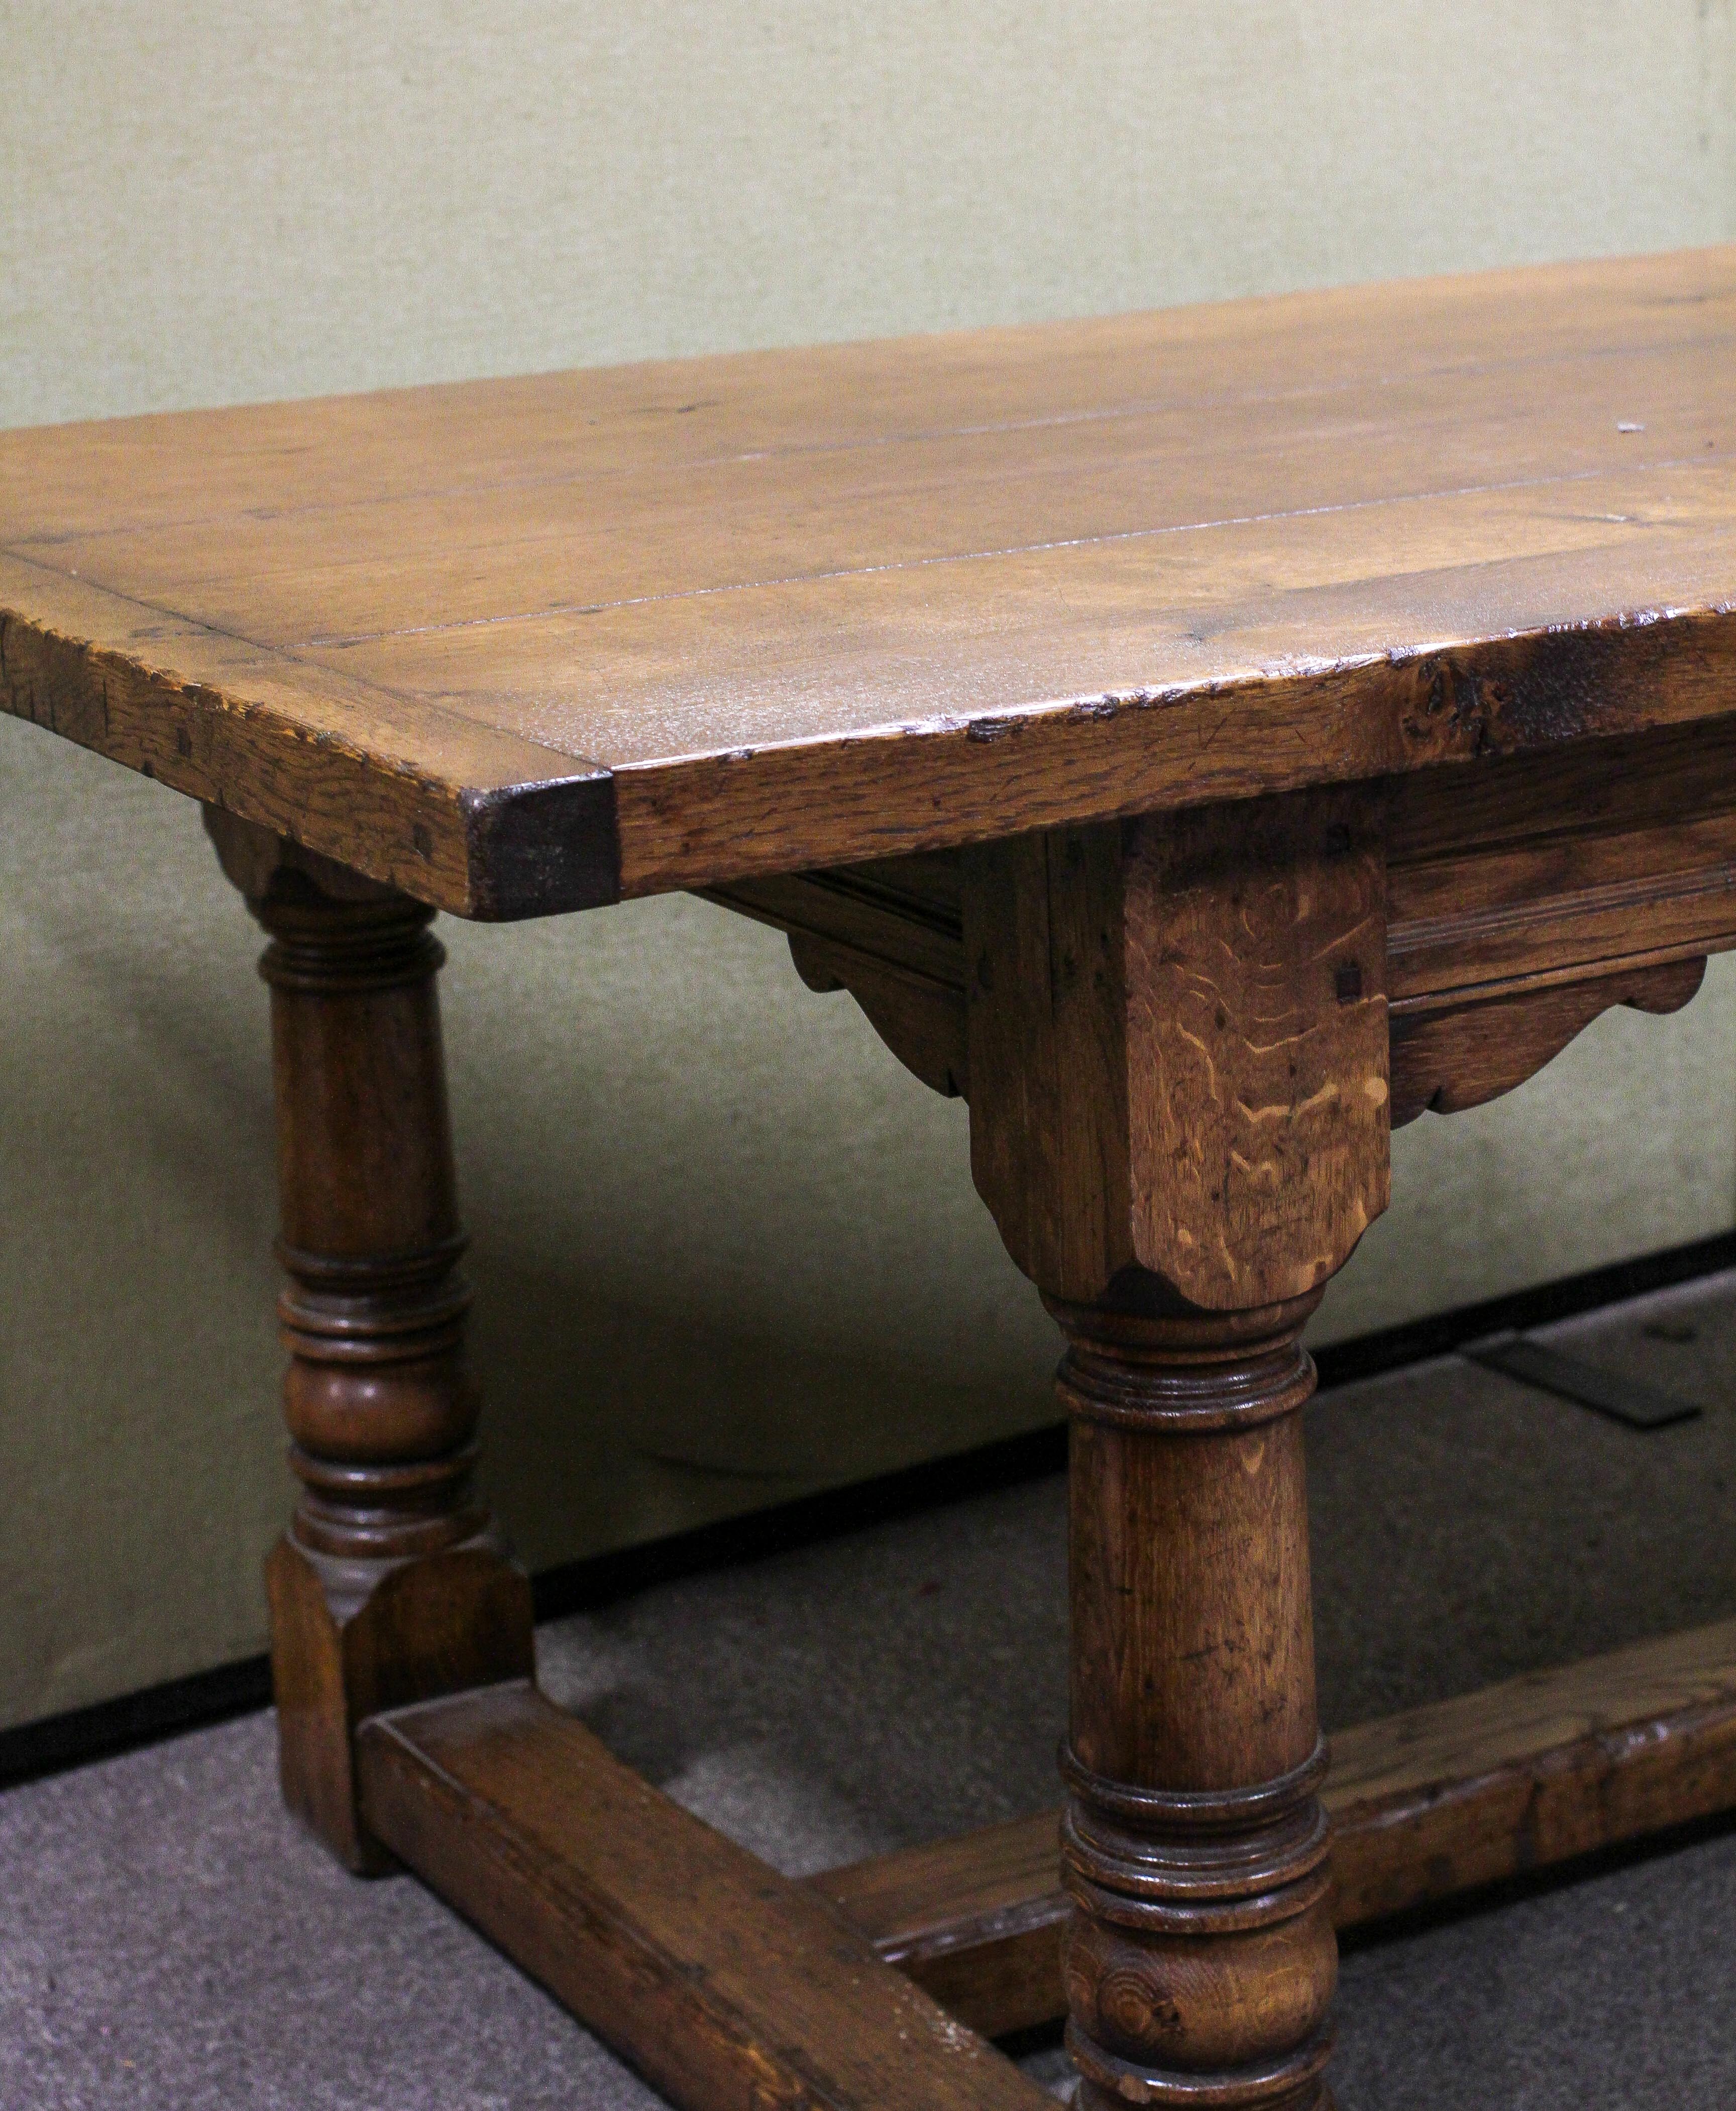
[1523, 898]
[890, 934]
[1446, 1057]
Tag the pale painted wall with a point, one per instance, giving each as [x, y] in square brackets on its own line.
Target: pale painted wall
[725, 1247]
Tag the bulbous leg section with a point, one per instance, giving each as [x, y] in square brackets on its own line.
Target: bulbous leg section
[391, 1584]
[1200, 1961]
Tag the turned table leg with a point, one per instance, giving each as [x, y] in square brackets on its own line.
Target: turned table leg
[391, 1585]
[1200, 1960]
[1178, 1116]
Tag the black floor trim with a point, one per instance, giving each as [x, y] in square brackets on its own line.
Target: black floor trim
[96, 1732]
[1546, 1302]
[580, 1586]
[110, 1727]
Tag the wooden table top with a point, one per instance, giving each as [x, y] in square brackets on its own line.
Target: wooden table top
[522, 645]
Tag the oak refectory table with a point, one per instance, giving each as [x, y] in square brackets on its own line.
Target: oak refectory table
[1204, 741]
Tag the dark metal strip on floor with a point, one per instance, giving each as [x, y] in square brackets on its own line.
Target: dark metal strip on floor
[1626, 1400]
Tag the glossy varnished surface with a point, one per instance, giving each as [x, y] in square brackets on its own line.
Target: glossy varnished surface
[520, 645]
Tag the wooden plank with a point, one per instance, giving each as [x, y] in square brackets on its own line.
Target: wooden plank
[485, 824]
[957, 720]
[729, 1987]
[1514, 869]
[1521, 867]
[799, 609]
[1534, 1771]
[976, 1919]
[1424, 1805]
[1525, 896]
[441, 558]
[140, 475]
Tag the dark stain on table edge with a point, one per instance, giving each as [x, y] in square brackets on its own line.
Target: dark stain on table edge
[540, 850]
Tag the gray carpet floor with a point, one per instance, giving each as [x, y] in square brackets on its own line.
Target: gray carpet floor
[170, 1942]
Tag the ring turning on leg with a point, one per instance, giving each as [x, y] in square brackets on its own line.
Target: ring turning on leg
[1177, 1057]
[392, 1585]
[1200, 1960]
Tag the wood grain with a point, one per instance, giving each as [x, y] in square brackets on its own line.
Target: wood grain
[1178, 1048]
[1198, 1957]
[522, 646]
[392, 1583]
[1178, 1092]
[1257, 1044]
[890, 934]
[976, 1919]
[1045, 943]
[1424, 1806]
[729, 1987]
[1516, 872]
[1448, 1058]
[1598, 874]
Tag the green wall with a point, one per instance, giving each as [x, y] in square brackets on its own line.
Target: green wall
[725, 1248]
